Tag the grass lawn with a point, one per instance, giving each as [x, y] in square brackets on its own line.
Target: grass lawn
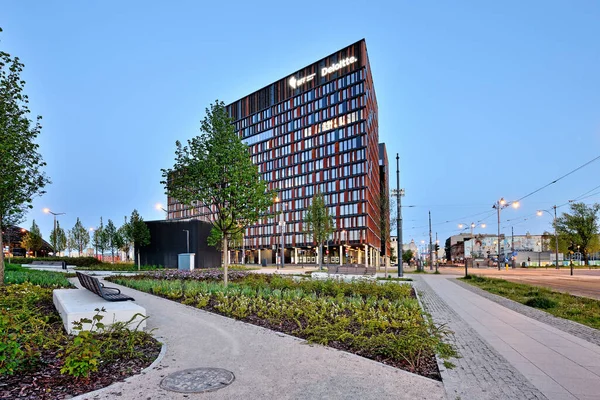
[378, 320]
[579, 309]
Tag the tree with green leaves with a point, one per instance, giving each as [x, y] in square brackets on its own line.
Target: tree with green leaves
[124, 238]
[79, 237]
[21, 165]
[407, 255]
[138, 232]
[111, 233]
[100, 239]
[33, 239]
[58, 239]
[579, 229]
[318, 223]
[215, 170]
[384, 226]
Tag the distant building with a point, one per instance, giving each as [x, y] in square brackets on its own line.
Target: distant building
[486, 246]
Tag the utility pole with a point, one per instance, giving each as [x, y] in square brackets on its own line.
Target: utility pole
[512, 245]
[399, 218]
[556, 243]
[436, 253]
[430, 245]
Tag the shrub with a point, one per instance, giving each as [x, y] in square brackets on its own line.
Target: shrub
[541, 302]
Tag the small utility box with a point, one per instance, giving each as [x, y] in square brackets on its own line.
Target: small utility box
[185, 261]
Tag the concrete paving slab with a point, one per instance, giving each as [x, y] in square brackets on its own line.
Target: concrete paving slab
[565, 374]
[266, 364]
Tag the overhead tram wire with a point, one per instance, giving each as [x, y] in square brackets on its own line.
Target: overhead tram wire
[562, 177]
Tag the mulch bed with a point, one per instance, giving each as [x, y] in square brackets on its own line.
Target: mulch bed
[46, 382]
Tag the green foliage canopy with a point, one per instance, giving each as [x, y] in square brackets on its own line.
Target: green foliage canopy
[21, 175]
[214, 170]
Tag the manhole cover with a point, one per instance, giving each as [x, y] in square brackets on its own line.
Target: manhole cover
[197, 380]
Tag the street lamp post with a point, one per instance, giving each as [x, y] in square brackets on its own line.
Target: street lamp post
[539, 213]
[47, 211]
[473, 225]
[187, 235]
[499, 205]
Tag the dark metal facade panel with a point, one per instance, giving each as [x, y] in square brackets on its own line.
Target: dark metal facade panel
[168, 240]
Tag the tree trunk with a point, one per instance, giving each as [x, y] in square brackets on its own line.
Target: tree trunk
[225, 259]
[112, 253]
[138, 257]
[1, 256]
[320, 257]
[586, 258]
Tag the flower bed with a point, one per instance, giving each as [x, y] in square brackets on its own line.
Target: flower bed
[382, 321]
[39, 360]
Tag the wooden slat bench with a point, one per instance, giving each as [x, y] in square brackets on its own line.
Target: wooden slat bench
[95, 286]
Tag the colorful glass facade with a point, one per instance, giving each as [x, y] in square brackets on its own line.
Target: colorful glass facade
[315, 130]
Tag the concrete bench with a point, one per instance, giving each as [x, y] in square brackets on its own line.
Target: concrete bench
[75, 304]
[61, 264]
[95, 286]
[321, 276]
[351, 269]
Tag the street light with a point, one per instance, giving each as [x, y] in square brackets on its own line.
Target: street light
[187, 233]
[540, 213]
[499, 205]
[47, 211]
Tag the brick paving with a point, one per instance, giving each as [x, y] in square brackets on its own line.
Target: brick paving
[481, 372]
[581, 331]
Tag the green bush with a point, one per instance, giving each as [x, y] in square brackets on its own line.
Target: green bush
[15, 274]
[541, 302]
[381, 321]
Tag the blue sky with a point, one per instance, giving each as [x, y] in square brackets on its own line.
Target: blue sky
[481, 101]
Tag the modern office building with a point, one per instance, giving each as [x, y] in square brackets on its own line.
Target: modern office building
[312, 131]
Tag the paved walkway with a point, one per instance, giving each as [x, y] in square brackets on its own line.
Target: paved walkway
[556, 363]
[266, 364]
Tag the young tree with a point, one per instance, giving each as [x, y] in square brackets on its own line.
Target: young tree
[21, 175]
[33, 239]
[138, 232]
[80, 238]
[580, 228]
[58, 239]
[407, 256]
[71, 245]
[215, 170]
[124, 243]
[111, 233]
[318, 223]
[100, 239]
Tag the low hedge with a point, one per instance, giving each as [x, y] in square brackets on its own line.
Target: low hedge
[77, 261]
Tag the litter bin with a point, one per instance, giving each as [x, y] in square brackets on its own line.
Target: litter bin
[264, 262]
[64, 264]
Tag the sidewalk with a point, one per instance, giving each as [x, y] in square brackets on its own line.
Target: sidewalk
[266, 364]
[558, 364]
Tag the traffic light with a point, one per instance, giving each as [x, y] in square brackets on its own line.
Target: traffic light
[437, 247]
[327, 251]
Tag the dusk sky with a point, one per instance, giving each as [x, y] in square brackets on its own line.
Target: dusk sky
[481, 101]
